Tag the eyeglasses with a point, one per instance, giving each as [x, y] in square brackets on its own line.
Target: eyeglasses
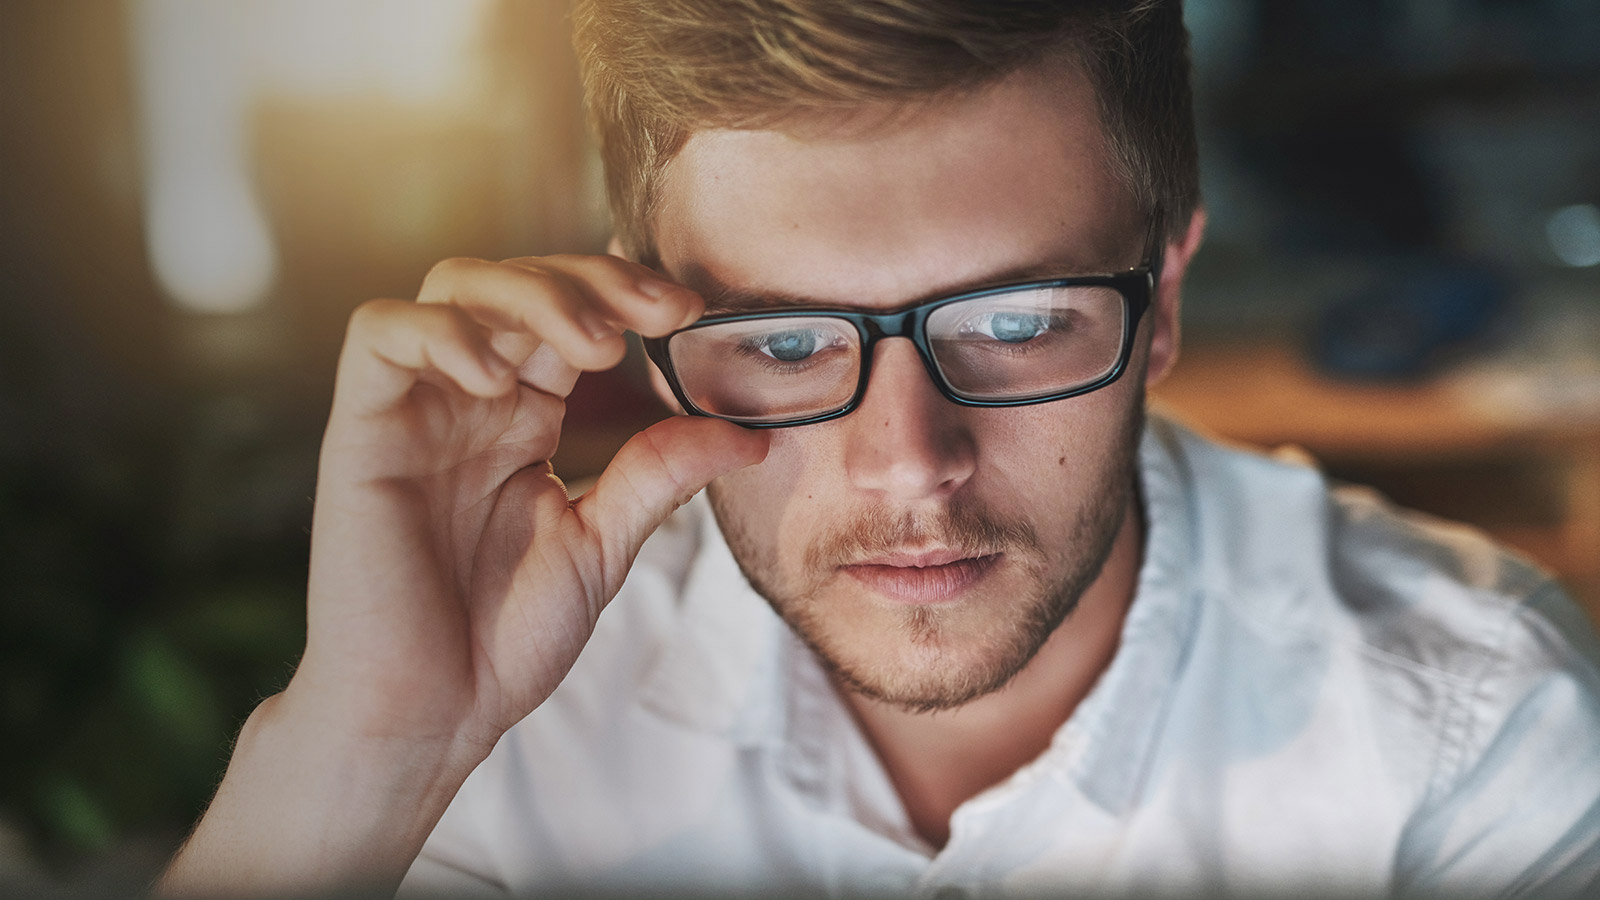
[1010, 345]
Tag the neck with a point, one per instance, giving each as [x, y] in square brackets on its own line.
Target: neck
[937, 761]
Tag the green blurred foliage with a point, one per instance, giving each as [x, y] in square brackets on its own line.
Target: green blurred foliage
[123, 675]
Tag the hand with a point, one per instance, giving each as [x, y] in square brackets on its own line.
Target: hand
[452, 583]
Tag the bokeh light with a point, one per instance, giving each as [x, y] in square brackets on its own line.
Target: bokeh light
[1574, 233]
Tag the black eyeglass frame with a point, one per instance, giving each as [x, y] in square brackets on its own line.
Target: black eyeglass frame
[1136, 286]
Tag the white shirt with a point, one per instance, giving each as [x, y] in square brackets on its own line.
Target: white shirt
[1312, 690]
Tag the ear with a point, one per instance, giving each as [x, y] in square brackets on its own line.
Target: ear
[1165, 331]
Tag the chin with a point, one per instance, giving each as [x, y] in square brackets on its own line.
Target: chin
[926, 657]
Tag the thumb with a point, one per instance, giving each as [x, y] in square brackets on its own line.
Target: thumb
[656, 472]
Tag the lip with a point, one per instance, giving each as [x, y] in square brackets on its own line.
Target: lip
[937, 556]
[922, 578]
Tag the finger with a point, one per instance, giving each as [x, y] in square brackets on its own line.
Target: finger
[391, 344]
[545, 370]
[533, 431]
[530, 301]
[657, 471]
[630, 295]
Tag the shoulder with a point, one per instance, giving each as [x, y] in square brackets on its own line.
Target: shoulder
[1468, 671]
[1294, 552]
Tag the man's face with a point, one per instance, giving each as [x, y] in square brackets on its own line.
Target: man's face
[925, 550]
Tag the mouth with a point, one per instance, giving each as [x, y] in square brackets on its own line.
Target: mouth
[923, 578]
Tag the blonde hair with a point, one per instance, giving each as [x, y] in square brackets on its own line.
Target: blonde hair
[655, 71]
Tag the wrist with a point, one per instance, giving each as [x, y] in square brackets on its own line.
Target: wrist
[378, 770]
[311, 804]
[408, 714]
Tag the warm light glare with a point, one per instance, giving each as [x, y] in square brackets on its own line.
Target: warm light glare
[408, 51]
[203, 64]
[209, 243]
[1574, 233]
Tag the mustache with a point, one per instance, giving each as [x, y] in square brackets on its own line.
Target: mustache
[965, 527]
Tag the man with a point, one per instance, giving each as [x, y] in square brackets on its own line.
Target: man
[950, 617]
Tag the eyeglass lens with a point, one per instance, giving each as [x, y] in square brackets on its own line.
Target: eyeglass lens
[1013, 345]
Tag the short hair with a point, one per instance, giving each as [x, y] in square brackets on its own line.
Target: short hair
[656, 71]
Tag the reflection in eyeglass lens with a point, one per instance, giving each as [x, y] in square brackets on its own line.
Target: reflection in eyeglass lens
[1029, 342]
[769, 369]
[1026, 343]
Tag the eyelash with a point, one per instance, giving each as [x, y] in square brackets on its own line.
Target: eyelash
[1058, 326]
[767, 362]
[751, 348]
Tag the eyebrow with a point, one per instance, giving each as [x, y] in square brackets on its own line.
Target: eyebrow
[725, 298]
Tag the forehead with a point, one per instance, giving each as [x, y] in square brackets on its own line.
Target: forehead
[893, 203]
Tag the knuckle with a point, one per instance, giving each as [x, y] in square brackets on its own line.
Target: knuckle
[529, 274]
[620, 272]
[536, 277]
[455, 265]
[553, 290]
[452, 324]
[584, 261]
[614, 265]
[474, 337]
[601, 273]
[650, 443]
[369, 316]
[436, 285]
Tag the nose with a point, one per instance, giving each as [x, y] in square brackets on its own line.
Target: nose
[906, 441]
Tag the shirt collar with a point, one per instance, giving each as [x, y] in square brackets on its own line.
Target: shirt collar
[724, 669]
[1106, 744]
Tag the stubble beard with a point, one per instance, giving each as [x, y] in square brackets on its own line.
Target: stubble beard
[1057, 578]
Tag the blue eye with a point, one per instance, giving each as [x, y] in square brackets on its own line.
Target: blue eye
[1014, 328]
[790, 346]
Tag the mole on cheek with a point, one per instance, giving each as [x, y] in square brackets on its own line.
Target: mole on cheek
[1062, 461]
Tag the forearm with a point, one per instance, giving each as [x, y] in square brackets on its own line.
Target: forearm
[305, 807]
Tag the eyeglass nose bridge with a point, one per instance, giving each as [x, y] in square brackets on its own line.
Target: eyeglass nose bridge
[891, 324]
[906, 323]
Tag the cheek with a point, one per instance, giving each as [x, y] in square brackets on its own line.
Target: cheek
[775, 505]
[1039, 462]
[1049, 458]
[1051, 436]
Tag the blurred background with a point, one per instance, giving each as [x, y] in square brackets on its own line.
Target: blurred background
[1402, 276]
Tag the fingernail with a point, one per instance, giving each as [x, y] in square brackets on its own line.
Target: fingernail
[657, 290]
